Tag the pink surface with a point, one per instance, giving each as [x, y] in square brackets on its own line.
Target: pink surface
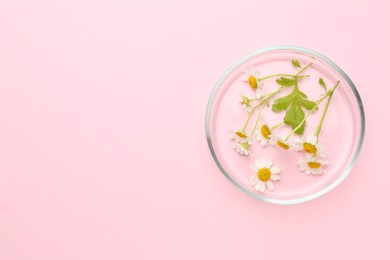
[102, 148]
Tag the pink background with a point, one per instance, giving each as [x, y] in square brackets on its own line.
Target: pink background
[102, 147]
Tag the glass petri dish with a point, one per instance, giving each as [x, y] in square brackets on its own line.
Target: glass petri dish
[342, 133]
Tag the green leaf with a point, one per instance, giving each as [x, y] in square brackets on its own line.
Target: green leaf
[322, 83]
[302, 94]
[285, 82]
[308, 104]
[282, 103]
[296, 63]
[294, 117]
[294, 104]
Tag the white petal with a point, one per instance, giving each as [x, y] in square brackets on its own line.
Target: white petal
[321, 152]
[258, 92]
[296, 147]
[323, 163]
[258, 164]
[275, 177]
[260, 186]
[261, 163]
[302, 165]
[310, 157]
[272, 139]
[275, 169]
[270, 185]
[254, 180]
[253, 167]
[297, 144]
[268, 163]
[308, 171]
[263, 142]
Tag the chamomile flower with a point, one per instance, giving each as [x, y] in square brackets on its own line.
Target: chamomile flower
[283, 144]
[246, 103]
[265, 173]
[311, 165]
[310, 145]
[240, 136]
[265, 135]
[243, 148]
[251, 76]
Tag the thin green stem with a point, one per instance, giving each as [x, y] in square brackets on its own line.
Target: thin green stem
[265, 98]
[257, 119]
[318, 130]
[281, 75]
[277, 125]
[250, 114]
[304, 68]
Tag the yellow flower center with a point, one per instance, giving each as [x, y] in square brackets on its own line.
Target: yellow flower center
[314, 165]
[245, 100]
[283, 145]
[309, 148]
[241, 134]
[265, 132]
[252, 81]
[264, 174]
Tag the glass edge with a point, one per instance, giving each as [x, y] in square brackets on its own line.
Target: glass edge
[334, 66]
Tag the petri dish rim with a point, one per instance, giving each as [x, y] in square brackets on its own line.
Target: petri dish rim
[332, 65]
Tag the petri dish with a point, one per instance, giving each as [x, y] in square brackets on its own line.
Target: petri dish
[341, 134]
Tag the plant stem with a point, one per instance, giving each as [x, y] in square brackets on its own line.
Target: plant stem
[250, 114]
[281, 75]
[266, 98]
[257, 119]
[317, 132]
[277, 125]
[304, 68]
